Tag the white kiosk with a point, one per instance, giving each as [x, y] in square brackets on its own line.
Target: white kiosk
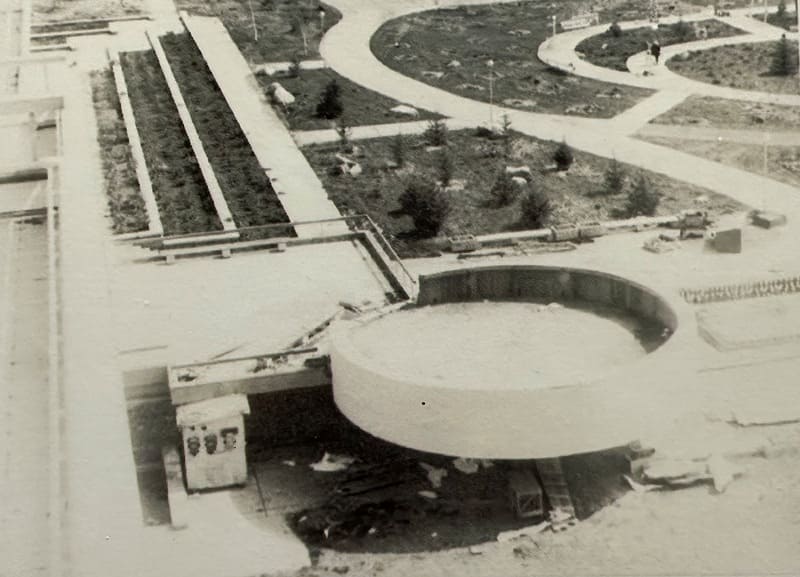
[214, 442]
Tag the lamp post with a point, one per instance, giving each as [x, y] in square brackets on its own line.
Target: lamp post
[253, 19]
[797, 15]
[490, 64]
[321, 13]
[553, 18]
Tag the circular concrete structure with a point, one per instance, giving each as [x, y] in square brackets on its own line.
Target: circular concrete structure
[512, 362]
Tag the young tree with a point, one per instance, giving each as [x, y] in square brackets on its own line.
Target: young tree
[426, 204]
[535, 209]
[782, 58]
[399, 147]
[330, 104]
[343, 131]
[781, 9]
[504, 190]
[563, 156]
[614, 178]
[505, 134]
[642, 201]
[436, 133]
[444, 167]
[615, 29]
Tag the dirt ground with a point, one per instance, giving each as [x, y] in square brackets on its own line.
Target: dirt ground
[783, 162]
[60, 10]
[721, 113]
[752, 528]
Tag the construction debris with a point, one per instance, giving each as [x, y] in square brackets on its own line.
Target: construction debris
[466, 466]
[675, 473]
[529, 531]
[435, 474]
[428, 494]
[332, 463]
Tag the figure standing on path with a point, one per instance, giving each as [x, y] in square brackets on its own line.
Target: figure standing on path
[655, 50]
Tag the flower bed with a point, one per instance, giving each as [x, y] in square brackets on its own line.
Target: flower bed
[184, 204]
[125, 203]
[610, 51]
[248, 191]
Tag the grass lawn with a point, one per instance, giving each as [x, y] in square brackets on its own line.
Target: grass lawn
[783, 162]
[574, 194]
[449, 49]
[744, 66]
[785, 21]
[278, 22]
[184, 203]
[247, 190]
[361, 105]
[721, 113]
[59, 10]
[613, 52]
[125, 203]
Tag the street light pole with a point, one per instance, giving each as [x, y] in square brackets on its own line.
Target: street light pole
[490, 64]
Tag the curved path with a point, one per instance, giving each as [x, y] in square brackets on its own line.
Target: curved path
[346, 48]
[560, 51]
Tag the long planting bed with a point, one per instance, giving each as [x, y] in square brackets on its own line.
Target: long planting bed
[184, 202]
[248, 192]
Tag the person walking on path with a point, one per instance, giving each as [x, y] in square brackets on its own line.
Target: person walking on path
[655, 50]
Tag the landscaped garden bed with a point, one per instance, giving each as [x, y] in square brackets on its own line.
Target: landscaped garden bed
[125, 203]
[451, 50]
[612, 48]
[576, 195]
[248, 192]
[59, 11]
[745, 66]
[721, 113]
[184, 203]
[284, 29]
[360, 105]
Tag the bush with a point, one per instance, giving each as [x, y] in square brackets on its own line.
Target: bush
[614, 178]
[330, 104]
[563, 156]
[615, 30]
[426, 204]
[444, 166]
[504, 190]
[294, 67]
[535, 209]
[436, 133]
[642, 201]
[781, 10]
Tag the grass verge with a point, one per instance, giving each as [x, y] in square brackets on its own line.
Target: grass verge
[280, 25]
[125, 203]
[361, 106]
[450, 49]
[610, 51]
[575, 194]
[184, 203]
[55, 11]
[247, 190]
[744, 66]
[721, 113]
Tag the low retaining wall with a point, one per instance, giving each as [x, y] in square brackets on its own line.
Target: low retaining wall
[539, 283]
[733, 292]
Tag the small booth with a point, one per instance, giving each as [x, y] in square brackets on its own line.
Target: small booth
[214, 442]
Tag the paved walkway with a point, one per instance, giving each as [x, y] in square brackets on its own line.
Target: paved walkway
[346, 47]
[298, 187]
[559, 51]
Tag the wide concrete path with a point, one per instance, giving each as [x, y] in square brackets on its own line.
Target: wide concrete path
[24, 370]
[298, 187]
